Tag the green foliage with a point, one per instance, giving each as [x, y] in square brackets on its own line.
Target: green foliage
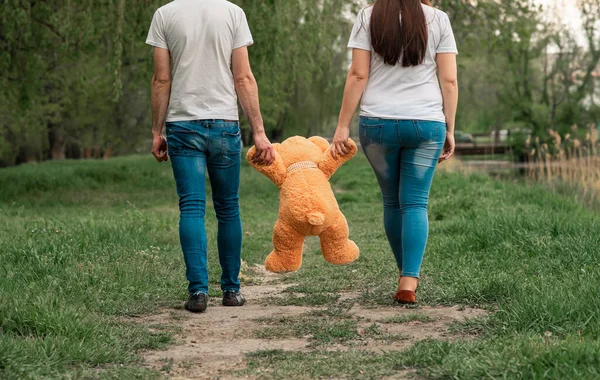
[68, 65]
[523, 67]
[298, 56]
[74, 74]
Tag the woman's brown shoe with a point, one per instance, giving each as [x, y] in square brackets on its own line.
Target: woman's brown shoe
[405, 297]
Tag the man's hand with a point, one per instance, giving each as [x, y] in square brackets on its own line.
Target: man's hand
[449, 146]
[159, 148]
[265, 154]
[340, 146]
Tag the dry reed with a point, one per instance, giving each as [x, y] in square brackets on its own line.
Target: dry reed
[569, 165]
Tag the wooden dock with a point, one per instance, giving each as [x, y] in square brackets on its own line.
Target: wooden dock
[479, 149]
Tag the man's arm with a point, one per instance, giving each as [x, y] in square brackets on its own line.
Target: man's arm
[247, 90]
[161, 91]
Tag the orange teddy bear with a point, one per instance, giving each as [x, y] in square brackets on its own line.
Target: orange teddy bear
[302, 169]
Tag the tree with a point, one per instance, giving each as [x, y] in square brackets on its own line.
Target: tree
[298, 44]
[75, 74]
[55, 63]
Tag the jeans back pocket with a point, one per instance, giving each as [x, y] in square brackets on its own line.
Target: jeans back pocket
[370, 131]
[183, 141]
[428, 130]
[231, 142]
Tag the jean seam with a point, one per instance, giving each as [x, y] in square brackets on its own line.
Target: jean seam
[184, 153]
[198, 292]
[410, 274]
[220, 123]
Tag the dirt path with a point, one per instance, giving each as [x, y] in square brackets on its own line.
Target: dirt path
[211, 343]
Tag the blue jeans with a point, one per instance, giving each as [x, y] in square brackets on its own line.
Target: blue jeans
[403, 155]
[194, 147]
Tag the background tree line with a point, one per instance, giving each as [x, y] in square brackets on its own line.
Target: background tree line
[74, 74]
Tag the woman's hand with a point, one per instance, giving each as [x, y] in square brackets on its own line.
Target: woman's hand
[449, 146]
[340, 146]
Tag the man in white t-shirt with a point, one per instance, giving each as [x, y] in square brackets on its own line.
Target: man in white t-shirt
[200, 63]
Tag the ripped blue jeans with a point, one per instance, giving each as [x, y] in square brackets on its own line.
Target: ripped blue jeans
[403, 155]
[197, 147]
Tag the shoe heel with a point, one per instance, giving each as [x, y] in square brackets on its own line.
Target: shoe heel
[405, 297]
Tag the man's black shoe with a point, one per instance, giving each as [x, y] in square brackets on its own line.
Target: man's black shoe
[231, 298]
[197, 303]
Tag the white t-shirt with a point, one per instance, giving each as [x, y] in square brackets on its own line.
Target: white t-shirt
[405, 93]
[201, 36]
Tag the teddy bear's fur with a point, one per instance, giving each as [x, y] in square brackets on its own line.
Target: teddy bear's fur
[307, 207]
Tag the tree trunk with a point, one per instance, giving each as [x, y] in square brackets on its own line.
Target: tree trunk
[247, 136]
[277, 133]
[31, 157]
[107, 153]
[57, 151]
[497, 128]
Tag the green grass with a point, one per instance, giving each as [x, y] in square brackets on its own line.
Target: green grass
[329, 326]
[318, 330]
[508, 358]
[83, 244]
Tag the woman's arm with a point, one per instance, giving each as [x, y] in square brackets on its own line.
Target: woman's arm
[355, 86]
[446, 63]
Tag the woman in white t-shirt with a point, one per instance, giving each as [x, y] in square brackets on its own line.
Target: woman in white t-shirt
[406, 122]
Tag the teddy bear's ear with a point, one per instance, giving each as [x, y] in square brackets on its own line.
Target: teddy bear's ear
[320, 142]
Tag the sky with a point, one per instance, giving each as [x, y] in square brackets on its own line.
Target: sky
[568, 8]
[568, 12]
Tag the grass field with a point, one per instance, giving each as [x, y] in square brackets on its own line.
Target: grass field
[85, 244]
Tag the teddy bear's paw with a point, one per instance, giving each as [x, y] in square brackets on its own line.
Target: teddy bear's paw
[353, 251]
[344, 257]
[278, 263]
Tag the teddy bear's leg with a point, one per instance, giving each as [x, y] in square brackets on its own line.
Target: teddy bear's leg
[287, 255]
[335, 245]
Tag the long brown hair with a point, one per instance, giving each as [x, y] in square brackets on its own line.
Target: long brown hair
[399, 31]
